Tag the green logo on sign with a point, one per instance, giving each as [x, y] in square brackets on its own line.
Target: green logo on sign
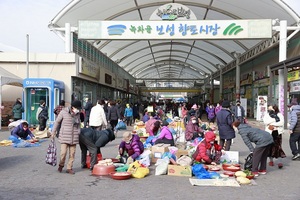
[232, 29]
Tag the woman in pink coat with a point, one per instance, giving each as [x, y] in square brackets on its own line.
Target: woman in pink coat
[69, 119]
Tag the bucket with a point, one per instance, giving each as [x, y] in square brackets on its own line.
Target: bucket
[88, 159]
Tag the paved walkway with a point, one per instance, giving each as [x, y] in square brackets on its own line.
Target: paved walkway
[24, 175]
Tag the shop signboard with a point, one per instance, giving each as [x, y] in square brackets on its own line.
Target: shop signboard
[293, 76]
[295, 86]
[261, 107]
[160, 30]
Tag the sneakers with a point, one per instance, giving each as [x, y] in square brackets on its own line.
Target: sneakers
[255, 174]
[280, 165]
[296, 156]
[271, 163]
[263, 172]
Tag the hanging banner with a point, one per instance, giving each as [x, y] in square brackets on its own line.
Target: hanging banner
[170, 30]
[262, 107]
[244, 104]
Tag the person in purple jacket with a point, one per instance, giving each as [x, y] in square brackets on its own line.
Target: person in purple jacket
[22, 131]
[132, 146]
[165, 136]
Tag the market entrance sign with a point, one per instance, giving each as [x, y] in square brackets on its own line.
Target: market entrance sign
[175, 30]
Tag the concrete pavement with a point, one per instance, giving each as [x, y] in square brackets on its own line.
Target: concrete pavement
[25, 175]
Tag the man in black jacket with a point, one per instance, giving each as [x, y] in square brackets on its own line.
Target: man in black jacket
[91, 140]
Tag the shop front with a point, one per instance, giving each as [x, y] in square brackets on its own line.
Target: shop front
[294, 86]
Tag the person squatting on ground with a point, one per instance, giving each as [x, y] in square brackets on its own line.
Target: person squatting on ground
[92, 140]
[131, 146]
[69, 118]
[294, 130]
[274, 122]
[22, 131]
[42, 115]
[193, 130]
[97, 116]
[208, 151]
[263, 142]
[224, 122]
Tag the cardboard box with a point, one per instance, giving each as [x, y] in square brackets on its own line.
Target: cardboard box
[181, 152]
[177, 170]
[158, 150]
[230, 157]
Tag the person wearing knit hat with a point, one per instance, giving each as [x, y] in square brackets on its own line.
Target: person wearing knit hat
[226, 104]
[208, 151]
[76, 104]
[69, 120]
[224, 120]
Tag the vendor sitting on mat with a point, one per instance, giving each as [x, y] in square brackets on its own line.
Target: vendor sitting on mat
[193, 130]
[208, 151]
[132, 146]
[163, 134]
[91, 140]
[22, 132]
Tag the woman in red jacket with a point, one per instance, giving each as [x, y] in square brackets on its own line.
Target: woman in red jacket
[208, 151]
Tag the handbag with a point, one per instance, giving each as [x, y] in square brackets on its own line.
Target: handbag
[51, 158]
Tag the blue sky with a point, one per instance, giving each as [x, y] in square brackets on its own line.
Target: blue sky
[21, 17]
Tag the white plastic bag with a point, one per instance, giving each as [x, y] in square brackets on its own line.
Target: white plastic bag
[184, 161]
[162, 166]
[144, 158]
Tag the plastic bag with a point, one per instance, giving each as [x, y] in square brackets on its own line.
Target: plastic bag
[162, 166]
[200, 172]
[120, 126]
[184, 161]
[137, 170]
[51, 158]
[144, 158]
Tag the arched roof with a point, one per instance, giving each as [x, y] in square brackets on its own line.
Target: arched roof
[173, 59]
